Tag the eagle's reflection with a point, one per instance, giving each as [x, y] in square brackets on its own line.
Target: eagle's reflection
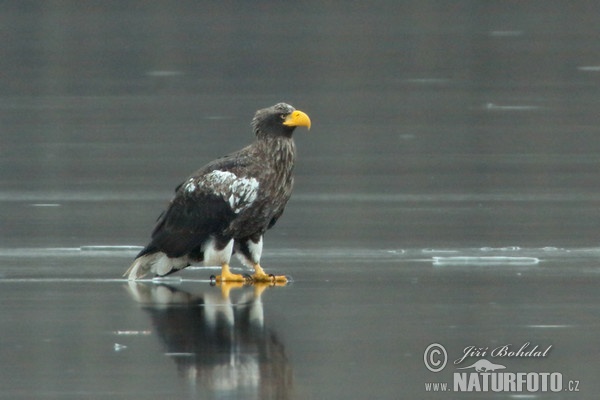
[220, 345]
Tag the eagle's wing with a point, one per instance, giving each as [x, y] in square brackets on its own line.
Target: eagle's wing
[190, 219]
[203, 205]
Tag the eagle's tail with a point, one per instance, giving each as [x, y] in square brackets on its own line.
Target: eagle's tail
[158, 263]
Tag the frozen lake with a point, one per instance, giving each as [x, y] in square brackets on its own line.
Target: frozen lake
[446, 194]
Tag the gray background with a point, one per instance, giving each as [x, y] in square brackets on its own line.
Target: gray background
[463, 130]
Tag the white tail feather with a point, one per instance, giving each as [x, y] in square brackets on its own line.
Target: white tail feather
[157, 263]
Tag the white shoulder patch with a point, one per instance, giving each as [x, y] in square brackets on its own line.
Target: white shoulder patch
[238, 192]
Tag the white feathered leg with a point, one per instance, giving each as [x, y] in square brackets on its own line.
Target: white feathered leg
[249, 253]
[215, 256]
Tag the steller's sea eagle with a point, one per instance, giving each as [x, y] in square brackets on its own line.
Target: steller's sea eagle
[226, 206]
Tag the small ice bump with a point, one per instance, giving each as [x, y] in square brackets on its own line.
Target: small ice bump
[469, 260]
[438, 251]
[399, 251]
[549, 326]
[498, 107]
[550, 248]
[110, 248]
[589, 68]
[164, 73]
[508, 248]
[132, 333]
[119, 347]
[167, 279]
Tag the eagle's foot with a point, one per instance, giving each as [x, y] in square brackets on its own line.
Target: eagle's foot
[261, 276]
[228, 276]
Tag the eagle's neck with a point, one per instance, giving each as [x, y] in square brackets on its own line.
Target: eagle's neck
[279, 153]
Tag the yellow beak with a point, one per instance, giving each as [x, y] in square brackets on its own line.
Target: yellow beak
[297, 118]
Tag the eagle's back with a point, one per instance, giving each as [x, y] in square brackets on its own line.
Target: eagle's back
[237, 196]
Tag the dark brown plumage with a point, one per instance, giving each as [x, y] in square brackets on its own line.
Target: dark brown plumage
[227, 205]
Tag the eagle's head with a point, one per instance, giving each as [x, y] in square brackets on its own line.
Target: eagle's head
[279, 120]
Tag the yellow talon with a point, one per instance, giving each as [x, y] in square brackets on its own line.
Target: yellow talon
[281, 279]
[228, 276]
[261, 276]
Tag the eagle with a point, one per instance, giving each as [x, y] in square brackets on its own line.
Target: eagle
[226, 206]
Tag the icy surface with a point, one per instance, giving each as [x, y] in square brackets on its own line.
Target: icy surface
[447, 193]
